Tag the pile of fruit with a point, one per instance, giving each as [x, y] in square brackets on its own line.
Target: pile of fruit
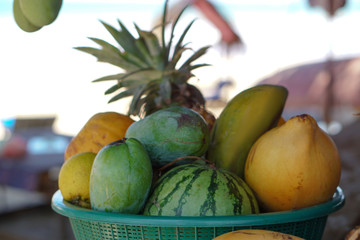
[178, 159]
[170, 163]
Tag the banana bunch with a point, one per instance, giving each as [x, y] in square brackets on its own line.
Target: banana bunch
[256, 234]
[243, 120]
[32, 15]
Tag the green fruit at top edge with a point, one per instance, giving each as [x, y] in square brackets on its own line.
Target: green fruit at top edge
[40, 12]
[171, 133]
[21, 20]
[121, 177]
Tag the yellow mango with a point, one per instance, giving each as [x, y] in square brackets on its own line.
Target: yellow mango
[100, 130]
[293, 166]
[74, 179]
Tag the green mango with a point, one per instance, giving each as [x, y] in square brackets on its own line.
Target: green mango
[171, 133]
[21, 20]
[244, 119]
[121, 177]
[40, 12]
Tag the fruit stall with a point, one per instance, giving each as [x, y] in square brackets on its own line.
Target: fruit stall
[169, 169]
[29, 160]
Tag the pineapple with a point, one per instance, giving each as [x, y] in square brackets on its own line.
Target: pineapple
[151, 73]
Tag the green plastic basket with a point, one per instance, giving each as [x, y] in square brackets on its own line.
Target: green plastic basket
[308, 223]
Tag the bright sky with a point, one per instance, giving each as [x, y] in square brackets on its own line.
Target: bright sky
[41, 73]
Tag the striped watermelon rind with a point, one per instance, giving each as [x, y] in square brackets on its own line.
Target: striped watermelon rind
[200, 190]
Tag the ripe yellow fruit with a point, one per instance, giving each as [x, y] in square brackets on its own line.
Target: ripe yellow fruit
[74, 178]
[256, 234]
[100, 130]
[293, 166]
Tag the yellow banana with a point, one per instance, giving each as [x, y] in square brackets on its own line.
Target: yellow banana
[256, 234]
[243, 120]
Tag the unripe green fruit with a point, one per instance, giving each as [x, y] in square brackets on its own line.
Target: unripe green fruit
[171, 133]
[40, 12]
[121, 177]
[21, 20]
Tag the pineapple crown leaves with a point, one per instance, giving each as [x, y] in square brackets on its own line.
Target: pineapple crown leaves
[150, 65]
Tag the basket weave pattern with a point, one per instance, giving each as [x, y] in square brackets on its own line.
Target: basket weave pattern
[308, 223]
[311, 229]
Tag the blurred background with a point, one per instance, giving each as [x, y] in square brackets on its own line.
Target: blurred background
[46, 94]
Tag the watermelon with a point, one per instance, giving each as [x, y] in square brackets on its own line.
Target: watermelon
[200, 190]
